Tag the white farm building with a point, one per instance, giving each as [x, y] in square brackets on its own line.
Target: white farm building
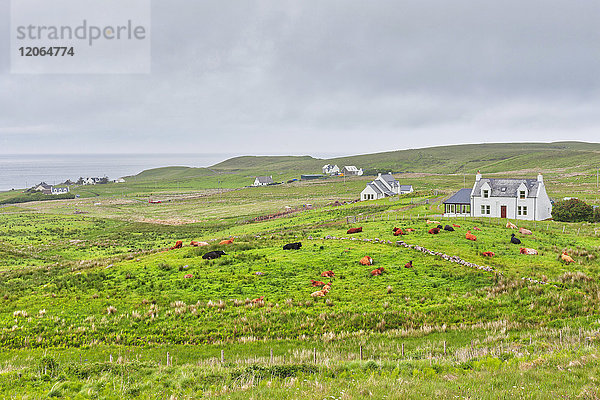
[384, 185]
[502, 198]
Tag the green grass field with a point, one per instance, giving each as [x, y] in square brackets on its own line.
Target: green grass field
[92, 302]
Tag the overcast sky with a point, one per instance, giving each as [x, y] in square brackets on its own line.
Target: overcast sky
[322, 76]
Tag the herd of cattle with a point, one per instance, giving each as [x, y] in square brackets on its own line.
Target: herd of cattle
[367, 260]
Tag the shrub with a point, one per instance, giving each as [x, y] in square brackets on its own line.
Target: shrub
[573, 210]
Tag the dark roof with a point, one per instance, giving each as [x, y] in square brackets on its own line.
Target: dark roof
[389, 179]
[383, 188]
[463, 196]
[507, 187]
[374, 187]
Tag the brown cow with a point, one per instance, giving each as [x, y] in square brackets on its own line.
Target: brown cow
[229, 241]
[327, 274]
[488, 254]
[198, 244]
[354, 230]
[398, 232]
[366, 260]
[408, 264]
[470, 236]
[456, 226]
[378, 271]
[531, 252]
[178, 245]
[316, 283]
[434, 231]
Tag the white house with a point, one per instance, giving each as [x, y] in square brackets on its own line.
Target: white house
[59, 190]
[263, 181]
[384, 186]
[329, 169]
[510, 198]
[42, 186]
[351, 170]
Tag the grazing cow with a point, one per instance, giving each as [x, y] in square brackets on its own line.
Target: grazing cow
[511, 225]
[354, 230]
[433, 222]
[434, 231]
[378, 271]
[319, 293]
[211, 255]
[258, 300]
[408, 264]
[178, 245]
[524, 250]
[470, 236]
[292, 246]
[476, 228]
[410, 230]
[188, 276]
[316, 283]
[524, 231]
[456, 226]
[327, 274]
[566, 258]
[488, 254]
[366, 260]
[198, 244]
[514, 240]
[228, 241]
[449, 228]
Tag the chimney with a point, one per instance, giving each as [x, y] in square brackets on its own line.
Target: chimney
[478, 176]
[540, 178]
[379, 174]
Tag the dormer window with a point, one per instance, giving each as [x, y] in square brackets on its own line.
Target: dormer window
[521, 194]
[486, 193]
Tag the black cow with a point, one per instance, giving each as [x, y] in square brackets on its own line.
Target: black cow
[449, 228]
[514, 240]
[211, 255]
[292, 246]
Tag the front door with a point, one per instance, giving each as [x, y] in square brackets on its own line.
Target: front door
[502, 211]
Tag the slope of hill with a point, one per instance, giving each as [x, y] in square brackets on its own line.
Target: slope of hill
[493, 157]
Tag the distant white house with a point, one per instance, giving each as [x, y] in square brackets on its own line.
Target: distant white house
[49, 189]
[329, 169]
[119, 180]
[263, 181]
[42, 186]
[510, 198]
[384, 185]
[59, 190]
[349, 170]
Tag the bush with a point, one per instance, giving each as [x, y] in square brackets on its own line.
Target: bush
[573, 210]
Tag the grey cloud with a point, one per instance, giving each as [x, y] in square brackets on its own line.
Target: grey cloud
[303, 76]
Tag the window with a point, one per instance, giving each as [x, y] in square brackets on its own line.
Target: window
[486, 210]
[486, 194]
[522, 210]
[452, 208]
[522, 194]
[467, 209]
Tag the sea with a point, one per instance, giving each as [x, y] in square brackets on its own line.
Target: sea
[24, 171]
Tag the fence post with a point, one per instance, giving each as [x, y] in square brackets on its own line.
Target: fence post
[402, 349]
[167, 358]
[361, 353]
[444, 347]
[271, 356]
[560, 336]
[222, 356]
[315, 355]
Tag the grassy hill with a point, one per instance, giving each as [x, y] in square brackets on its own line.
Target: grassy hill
[490, 158]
